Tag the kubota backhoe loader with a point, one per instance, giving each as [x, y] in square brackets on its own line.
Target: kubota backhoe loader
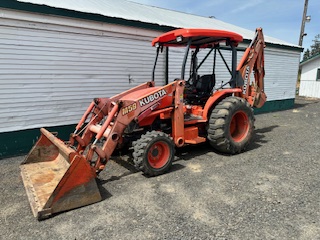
[153, 120]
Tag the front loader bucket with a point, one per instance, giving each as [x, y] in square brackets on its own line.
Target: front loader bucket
[57, 178]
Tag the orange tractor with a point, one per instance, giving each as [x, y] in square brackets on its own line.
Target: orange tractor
[153, 121]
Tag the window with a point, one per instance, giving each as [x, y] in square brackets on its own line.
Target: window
[318, 74]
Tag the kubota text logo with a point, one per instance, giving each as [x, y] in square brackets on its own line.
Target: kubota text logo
[152, 97]
[246, 77]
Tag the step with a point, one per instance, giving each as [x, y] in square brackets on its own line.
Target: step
[195, 140]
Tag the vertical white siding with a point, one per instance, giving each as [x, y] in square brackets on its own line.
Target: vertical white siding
[309, 86]
[50, 73]
[309, 89]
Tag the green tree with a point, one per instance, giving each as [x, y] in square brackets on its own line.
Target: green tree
[306, 54]
[315, 47]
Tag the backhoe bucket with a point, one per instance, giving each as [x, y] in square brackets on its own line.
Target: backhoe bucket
[57, 178]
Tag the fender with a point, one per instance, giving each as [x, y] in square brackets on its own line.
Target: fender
[216, 97]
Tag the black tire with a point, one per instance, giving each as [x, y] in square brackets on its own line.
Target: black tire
[153, 153]
[231, 125]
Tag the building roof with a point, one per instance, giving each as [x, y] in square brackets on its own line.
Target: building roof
[310, 59]
[132, 11]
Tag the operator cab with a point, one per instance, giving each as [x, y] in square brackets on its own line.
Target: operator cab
[200, 83]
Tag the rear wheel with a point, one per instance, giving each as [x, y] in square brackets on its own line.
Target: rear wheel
[153, 153]
[231, 125]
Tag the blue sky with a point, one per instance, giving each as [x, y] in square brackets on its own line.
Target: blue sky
[278, 18]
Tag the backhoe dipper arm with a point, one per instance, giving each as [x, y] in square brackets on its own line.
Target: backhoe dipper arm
[253, 60]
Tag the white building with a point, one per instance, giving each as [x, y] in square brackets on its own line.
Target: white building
[56, 56]
[310, 77]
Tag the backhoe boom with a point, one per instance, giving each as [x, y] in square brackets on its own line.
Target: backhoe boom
[253, 61]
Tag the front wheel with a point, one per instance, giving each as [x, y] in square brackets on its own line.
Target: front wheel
[231, 125]
[153, 153]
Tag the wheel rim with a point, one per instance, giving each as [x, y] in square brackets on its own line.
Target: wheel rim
[239, 126]
[158, 154]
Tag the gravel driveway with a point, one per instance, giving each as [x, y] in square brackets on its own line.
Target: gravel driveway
[271, 191]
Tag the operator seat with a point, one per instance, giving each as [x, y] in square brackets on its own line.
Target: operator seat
[200, 90]
[205, 83]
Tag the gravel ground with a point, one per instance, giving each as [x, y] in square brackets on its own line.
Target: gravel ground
[271, 191]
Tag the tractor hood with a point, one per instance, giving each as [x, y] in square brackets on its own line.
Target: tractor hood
[146, 96]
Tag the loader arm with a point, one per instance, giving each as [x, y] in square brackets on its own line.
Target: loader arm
[60, 176]
[111, 117]
[253, 60]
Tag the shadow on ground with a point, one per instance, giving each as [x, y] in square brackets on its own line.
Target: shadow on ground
[304, 102]
[105, 194]
[189, 152]
[259, 138]
[185, 153]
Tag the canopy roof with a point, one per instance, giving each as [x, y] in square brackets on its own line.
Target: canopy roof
[200, 37]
